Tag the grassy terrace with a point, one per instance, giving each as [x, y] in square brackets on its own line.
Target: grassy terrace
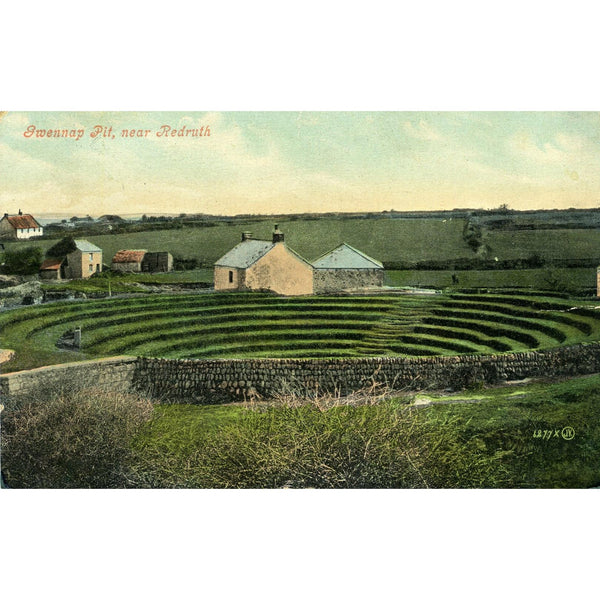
[210, 325]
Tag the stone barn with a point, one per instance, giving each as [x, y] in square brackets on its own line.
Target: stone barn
[264, 265]
[128, 261]
[157, 262]
[346, 268]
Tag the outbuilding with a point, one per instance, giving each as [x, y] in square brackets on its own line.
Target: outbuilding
[128, 261]
[53, 268]
[346, 268]
[157, 262]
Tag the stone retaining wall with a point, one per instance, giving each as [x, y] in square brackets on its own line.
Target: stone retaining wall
[114, 374]
[208, 381]
[222, 380]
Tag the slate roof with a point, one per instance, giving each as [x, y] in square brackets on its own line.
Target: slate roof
[86, 246]
[23, 222]
[51, 264]
[346, 257]
[246, 253]
[129, 256]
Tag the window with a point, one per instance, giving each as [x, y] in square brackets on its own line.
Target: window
[91, 267]
[91, 256]
[230, 276]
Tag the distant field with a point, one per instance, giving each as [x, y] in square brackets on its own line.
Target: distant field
[399, 240]
[568, 279]
[384, 239]
[554, 244]
[219, 325]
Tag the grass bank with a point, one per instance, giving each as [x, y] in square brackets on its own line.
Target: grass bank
[542, 435]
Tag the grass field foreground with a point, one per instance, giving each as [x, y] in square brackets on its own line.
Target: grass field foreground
[513, 436]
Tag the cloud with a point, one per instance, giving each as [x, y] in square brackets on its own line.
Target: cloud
[523, 146]
[422, 131]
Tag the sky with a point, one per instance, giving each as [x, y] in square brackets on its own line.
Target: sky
[293, 162]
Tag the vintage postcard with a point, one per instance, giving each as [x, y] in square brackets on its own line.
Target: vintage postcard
[300, 300]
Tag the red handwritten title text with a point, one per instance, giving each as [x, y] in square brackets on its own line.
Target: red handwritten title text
[109, 132]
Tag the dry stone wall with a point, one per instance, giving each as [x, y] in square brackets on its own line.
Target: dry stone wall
[210, 381]
[224, 380]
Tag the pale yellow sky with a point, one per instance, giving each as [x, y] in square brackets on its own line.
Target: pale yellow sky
[289, 162]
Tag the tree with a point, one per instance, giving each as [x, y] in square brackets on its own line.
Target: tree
[62, 248]
[24, 261]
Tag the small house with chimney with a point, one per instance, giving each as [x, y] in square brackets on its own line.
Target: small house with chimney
[346, 268]
[268, 265]
[20, 227]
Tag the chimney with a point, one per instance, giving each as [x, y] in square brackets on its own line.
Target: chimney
[246, 235]
[277, 235]
[20, 212]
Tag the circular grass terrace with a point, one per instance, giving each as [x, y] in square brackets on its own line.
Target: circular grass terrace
[237, 325]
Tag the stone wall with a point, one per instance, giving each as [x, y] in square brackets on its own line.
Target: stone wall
[334, 280]
[114, 374]
[223, 380]
[208, 381]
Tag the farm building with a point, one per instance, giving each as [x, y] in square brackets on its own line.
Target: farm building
[264, 265]
[271, 265]
[137, 261]
[19, 227]
[157, 262]
[128, 261]
[53, 268]
[344, 268]
[84, 261]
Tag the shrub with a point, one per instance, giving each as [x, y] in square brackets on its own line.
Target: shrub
[319, 445]
[72, 439]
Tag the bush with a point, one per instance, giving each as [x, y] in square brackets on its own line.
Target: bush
[312, 445]
[73, 439]
[24, 261]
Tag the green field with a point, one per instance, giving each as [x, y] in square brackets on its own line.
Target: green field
[384, 239]
[225, 325]
[573, 279]
[406, 240]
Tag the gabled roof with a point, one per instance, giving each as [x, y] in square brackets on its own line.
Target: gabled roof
[246, 253]
[346, 257]
[86, 246]
[129, 256]
[51, 264]
[23, 222]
